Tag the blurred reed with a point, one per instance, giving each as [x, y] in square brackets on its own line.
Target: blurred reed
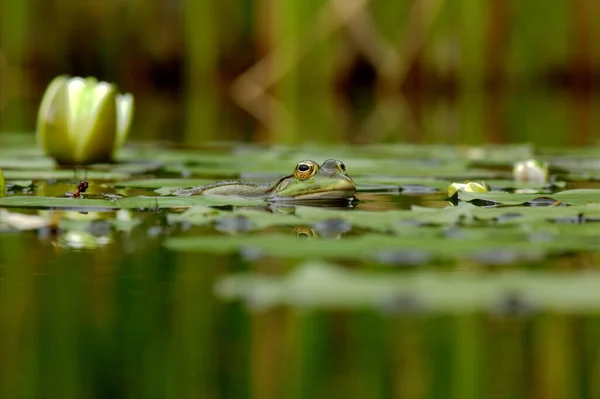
[318, 70]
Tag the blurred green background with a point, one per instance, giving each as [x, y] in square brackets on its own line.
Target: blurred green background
[459, 71]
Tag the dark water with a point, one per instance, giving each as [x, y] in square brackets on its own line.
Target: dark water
[128, 318]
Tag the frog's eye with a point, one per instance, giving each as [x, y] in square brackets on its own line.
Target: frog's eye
[342, 167]
[305, 169]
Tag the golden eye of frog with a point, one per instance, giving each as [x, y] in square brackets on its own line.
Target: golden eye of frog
[309, 181]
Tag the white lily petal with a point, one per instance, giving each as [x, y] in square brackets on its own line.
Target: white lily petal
[97, 123]
[76, 91]
[473, 187]
[469, 187]
[454, 187]
[46, 110]
[531, 171]
[124, 118]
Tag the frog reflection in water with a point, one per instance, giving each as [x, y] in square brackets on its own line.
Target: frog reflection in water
[309, 181]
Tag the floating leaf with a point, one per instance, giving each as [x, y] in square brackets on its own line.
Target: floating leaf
[570, 197]
[25, 163]
[365, 247]
[505, 184]
[320, 285]
[56, 202]
[157, 183]
[19, 183]
[63, 174]
[139, 202]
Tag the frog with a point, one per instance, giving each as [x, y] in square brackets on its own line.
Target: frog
[308, 181]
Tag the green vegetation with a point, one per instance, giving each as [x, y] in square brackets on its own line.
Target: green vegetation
[318, 70]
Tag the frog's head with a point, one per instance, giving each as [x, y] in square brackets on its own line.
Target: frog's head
[309, 181]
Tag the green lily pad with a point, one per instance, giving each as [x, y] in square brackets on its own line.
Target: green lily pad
[303, 215]
[20, 183]
[588, 151]
[256, 219]
[400, 181]
[63, 174]
[370, 246]
[320, 285]
[157, 183]
[506, 184]
[408, 222]
[25, 163]
[139, 202]
[129, 169]
[521, 215]
[571, 197]
[56, 202]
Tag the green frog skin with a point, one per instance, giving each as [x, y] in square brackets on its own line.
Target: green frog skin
[309, 181]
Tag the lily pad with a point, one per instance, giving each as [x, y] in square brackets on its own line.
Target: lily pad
[321, 285]
[399, 181]
[570, 197]
[366, 247]
[138, 202]
[506, 184]
[408, 222]
[157, 183]
[19, 183]
[56, 202]
[63, 174]
[25, 163]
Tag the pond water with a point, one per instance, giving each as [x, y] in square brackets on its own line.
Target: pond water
[131, 292]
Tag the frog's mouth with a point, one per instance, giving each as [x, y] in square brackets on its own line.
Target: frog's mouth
[325, 196]
[323, 189]
[342, 192]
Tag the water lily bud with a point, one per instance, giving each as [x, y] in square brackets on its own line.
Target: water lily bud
[469, 187]
[2, 184]
[83, 121]
[531, 171]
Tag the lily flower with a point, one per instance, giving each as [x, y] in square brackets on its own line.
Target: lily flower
[531, 171]
[469, 187]
[83, 121]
